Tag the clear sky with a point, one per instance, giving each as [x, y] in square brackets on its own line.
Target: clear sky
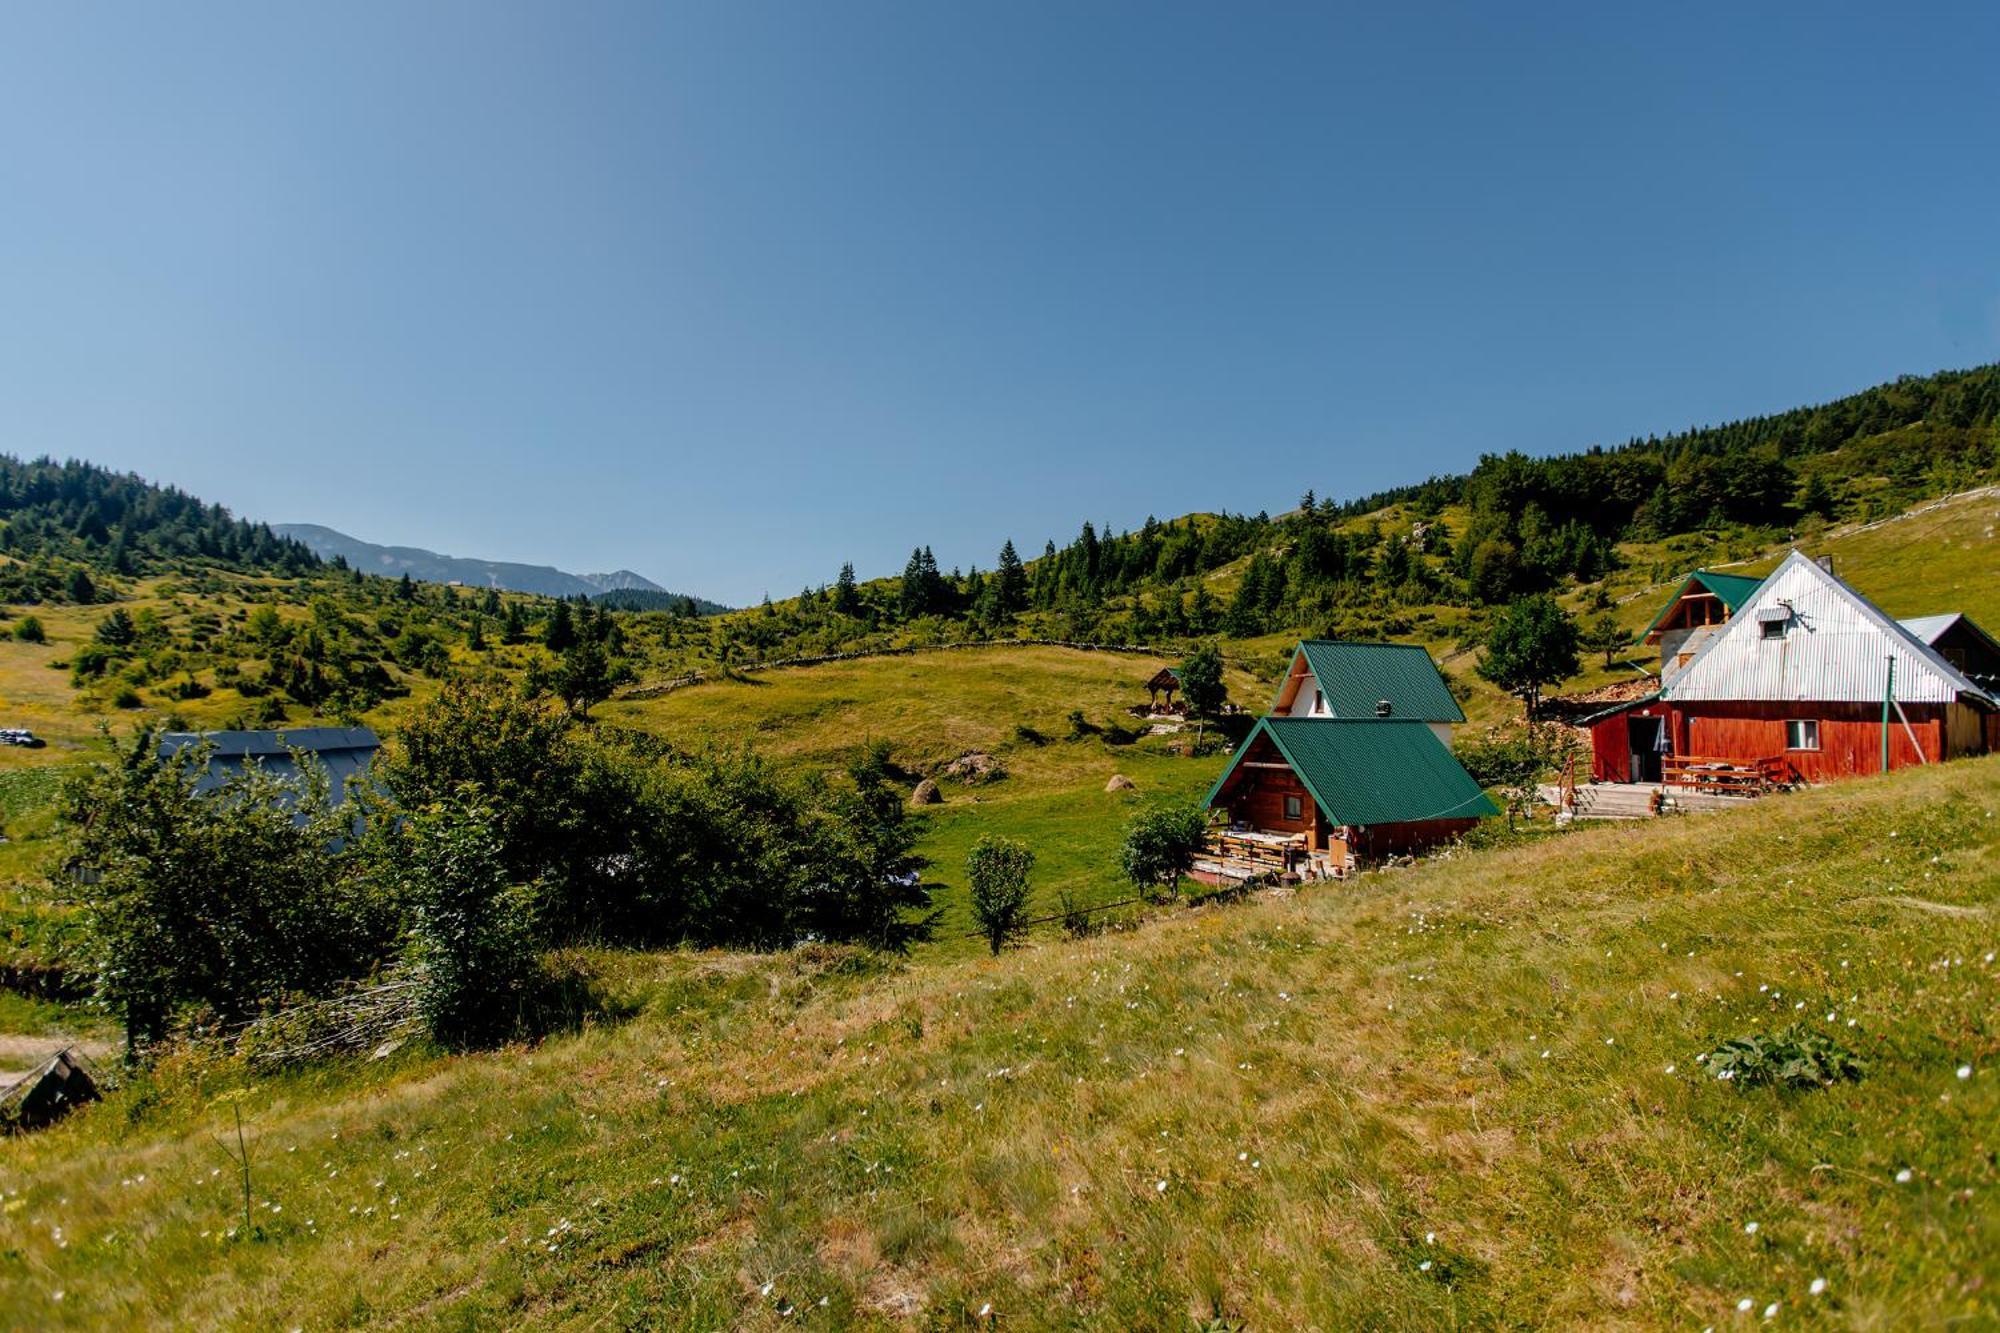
[729, 293]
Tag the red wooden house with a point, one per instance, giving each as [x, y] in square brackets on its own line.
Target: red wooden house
[1807, 680]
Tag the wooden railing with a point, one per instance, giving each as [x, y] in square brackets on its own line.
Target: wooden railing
[1726, 777]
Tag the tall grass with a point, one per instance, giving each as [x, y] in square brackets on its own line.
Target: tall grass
[1462, 1095]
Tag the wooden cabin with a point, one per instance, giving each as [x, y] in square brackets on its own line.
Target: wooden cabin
[1806, 682]
[1321, 795]
[1697, 611]
[1342, 679]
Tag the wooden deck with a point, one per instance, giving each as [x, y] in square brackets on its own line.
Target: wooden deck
[1639, 800]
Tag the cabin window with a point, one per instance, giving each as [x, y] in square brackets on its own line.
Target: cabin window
[1319, 701]
[1773, 629]
[1295, 807]
[1802, 734]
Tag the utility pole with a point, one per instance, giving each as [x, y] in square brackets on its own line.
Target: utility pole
[1888, 697]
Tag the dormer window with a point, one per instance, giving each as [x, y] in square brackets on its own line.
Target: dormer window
[1319, 701]
[1771, 621]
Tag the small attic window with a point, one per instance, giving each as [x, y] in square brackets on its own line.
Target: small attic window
[1771, 621]
[1772, 629]
[1319, 701]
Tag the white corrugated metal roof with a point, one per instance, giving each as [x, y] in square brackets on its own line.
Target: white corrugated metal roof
[1928, 628]
[1835, 648]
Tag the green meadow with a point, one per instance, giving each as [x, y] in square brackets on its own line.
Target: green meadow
[1466, 1094]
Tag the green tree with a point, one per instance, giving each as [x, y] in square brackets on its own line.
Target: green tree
[1816, 497]
[1010, 582]
[227, 898]
[471, 933]
[1532, 644]
[117, 630]
[996, 876]
[406, 589]
[560, 632]
[81, 590]
[846, 595]
[513, 626]
[1604, 636]
[1201, 681]
[585, 676]
[1161, 845]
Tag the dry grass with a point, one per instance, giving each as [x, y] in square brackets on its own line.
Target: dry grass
[1331, 1110]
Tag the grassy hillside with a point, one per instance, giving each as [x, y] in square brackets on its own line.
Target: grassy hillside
[934, 707]
[1460, 1095]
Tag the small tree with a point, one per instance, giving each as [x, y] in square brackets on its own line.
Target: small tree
[1201, 681]
[1160, 847]
[30, 630]
[470, 932]
[997, 872]
[1532, 644]
[1604, 636]
[117, 630]
[586, 675]
[560, 632]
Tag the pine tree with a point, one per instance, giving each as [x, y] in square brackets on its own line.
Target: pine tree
[560, 632]
[846, 596]
[1010, 583]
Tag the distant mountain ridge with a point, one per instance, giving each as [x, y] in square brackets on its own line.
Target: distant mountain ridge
[431, 567]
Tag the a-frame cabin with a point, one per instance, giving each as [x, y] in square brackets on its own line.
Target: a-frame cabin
[1326, 794]
[1339, 678]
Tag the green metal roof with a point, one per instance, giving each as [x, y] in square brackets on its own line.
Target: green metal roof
[1354, 677]
[1733, 589]
[1370, 770]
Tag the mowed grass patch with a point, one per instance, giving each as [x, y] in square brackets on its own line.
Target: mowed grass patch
[1462, 1094]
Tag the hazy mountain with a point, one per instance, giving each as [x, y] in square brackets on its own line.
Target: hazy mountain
[431, 567]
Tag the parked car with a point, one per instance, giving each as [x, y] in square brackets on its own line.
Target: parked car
[21, 736]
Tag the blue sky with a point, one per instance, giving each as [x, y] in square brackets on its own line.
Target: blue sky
[731, 293]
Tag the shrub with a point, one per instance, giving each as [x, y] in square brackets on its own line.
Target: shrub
[471, 933]
[1160, 847]
[30, 630]
[127, 698]
[227, 899]
[1027, 735]
[996, 872]
[1076, 921]
[1794, 1057]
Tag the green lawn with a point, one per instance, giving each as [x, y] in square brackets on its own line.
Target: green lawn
[1461, 1095]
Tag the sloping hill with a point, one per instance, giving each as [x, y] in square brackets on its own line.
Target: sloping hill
[1463, 1095]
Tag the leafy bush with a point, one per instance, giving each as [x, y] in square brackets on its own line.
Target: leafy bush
[1160, 846]
[30, 630]
[127, 698]
[228, 899]
[1795, 1057]
[996, 873]
[1027, 735]
[471, 933]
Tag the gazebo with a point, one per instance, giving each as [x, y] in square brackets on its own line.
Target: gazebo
[1165, 681]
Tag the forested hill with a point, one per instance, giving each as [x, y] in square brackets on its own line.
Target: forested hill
[1514, 524]
[63, 523]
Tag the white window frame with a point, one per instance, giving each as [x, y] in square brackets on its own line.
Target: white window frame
[1801, 724]
[1771, 629]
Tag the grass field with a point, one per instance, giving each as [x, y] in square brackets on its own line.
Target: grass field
[934, 707]
[1462, 1095]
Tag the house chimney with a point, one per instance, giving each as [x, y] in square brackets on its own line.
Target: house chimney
[1825, 562]
[1383, 708]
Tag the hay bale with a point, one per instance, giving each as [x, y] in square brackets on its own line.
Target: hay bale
[1119, 782]
[927, 793]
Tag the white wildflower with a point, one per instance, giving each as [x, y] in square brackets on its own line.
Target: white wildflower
[1818, 1286]
[1965, 1071]
[1903, 1176]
